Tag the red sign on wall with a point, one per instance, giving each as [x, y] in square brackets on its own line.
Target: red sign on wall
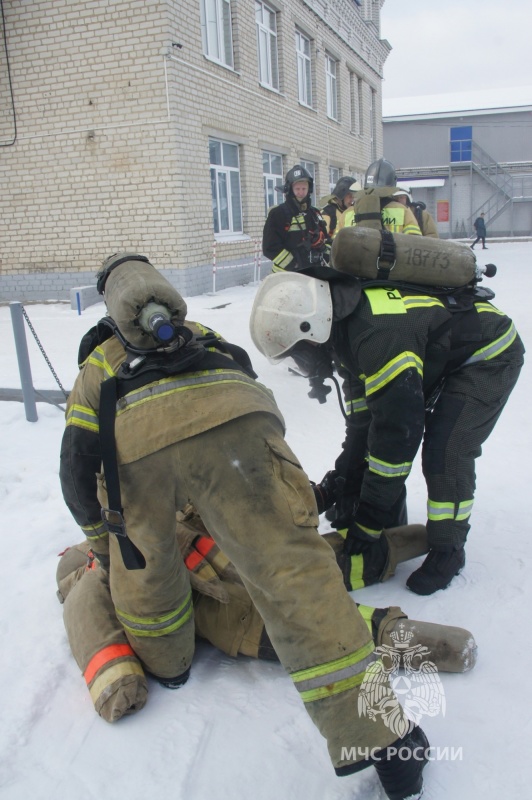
[442, 211]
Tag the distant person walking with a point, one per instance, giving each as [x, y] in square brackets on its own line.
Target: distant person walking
[480, 227]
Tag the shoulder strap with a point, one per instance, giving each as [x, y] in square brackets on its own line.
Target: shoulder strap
[113, 515]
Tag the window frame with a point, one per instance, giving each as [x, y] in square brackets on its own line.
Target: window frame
[271, 178]
[334, 177]
[231, 177]
[270, 58]
[331, 86]
[304, 70]
[217, 43]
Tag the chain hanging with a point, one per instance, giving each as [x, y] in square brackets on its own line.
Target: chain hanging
[41, 348]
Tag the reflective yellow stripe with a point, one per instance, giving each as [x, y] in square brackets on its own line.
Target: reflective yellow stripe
[282, 260]
[411, 230]
[356, 405]
[95, 531]
[366, 613]
[387, 470]
[83, 417]
[480, 307]
[297, 223]
[421, 301]
[193, 380]
[494, 349]
[370, 531]
[113, 674]
[357, 570]
[157, 626]
[334, 677]
[97, 359]
[439, 511]
[390, 371]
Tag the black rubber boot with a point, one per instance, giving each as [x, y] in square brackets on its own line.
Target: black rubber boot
[400, 766]
[437, 571]
[172, 683]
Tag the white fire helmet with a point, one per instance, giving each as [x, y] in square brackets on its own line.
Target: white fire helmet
[290, 307]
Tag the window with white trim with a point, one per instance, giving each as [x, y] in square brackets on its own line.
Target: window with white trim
[225, 187]
[355, 92]
[216, 31]
[373, 124]
[310, 166]
[304, 70]
[272, 170]
[334, 177]
[331, 76]
[266, 19]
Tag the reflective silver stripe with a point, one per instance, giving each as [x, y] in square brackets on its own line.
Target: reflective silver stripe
[388, 470]
[495, 348]
[355, 406]
[97, 358]
[157, 626]
[464, 510]
[439, 511]
[415, 302]
[337, 675]
[392, 369]
[95, 531]
[194, 380]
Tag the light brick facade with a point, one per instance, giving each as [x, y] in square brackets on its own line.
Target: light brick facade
[106, 121]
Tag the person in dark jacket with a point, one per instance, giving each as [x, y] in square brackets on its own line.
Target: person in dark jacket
[295, 234]
[480, 227]
[416, 373]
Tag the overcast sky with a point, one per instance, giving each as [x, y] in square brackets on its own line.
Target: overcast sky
[458, 45]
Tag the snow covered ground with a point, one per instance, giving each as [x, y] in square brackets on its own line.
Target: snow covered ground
[238, 730]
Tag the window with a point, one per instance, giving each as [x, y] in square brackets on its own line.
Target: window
[373, 123]
[355, 92]
[461, 139]
[331, 67]
[272, 169]
[225, 187]
[334, 177]
[216, 31]
[304, 75]
[311, 169]
[267, 45]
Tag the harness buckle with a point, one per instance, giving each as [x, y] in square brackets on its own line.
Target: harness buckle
[114, 521]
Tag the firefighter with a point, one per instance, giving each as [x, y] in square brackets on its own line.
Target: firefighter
[175, 416]
[417, 371]
[339, 201]
[295, 234]
[224, 615]
[426, 222]
[376, 206]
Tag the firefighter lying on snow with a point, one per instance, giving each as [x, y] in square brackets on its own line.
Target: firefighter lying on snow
[224, 614]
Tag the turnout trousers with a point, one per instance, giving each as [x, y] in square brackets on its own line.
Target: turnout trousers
[256, 502]
[463, 417]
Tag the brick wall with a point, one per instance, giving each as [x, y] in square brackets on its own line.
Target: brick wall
[113, 122]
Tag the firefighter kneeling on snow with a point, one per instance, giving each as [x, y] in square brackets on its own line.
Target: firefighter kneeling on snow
[176, 416]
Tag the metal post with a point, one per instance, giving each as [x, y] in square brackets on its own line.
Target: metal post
[19, 332]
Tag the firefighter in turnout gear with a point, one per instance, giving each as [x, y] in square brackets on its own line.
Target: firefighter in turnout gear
[419, 368]
[426, 222]
[339, 201]
[176, 416]
[224, 615]
[376, 206]
[295, 234]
